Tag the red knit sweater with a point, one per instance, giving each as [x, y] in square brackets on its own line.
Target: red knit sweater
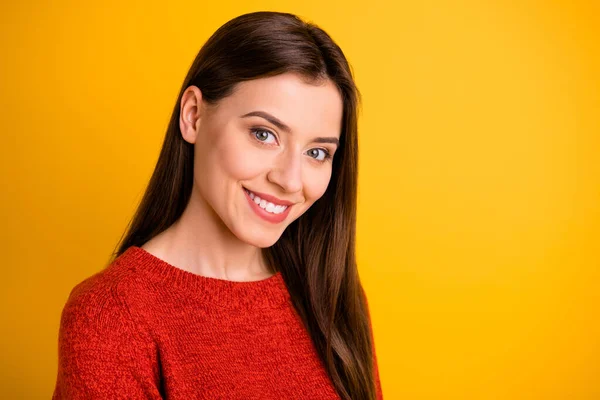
[145, 329]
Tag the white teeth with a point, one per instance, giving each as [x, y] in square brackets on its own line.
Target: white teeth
[267, 205]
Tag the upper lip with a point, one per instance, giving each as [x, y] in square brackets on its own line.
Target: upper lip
[270, 198]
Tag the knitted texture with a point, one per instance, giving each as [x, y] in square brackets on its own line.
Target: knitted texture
[145, 329]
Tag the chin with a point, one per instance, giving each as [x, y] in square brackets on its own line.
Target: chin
[259, 239]
[263, 243]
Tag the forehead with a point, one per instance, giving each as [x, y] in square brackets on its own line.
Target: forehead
[307, 108]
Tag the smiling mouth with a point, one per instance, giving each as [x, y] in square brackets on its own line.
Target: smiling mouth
[268, 206]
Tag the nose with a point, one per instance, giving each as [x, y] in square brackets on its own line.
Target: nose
[287, 172]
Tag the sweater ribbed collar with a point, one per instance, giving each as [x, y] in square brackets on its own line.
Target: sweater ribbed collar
[267, 293]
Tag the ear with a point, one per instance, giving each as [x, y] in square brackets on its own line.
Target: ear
[190, 113]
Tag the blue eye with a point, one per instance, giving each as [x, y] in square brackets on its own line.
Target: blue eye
[262, 135]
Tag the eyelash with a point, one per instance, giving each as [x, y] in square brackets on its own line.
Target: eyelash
[253, 131]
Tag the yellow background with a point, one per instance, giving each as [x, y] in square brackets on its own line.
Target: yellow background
[479, 218]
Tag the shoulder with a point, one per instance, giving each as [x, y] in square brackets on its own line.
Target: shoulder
[104, 350]
[98, 309]
[103, 292]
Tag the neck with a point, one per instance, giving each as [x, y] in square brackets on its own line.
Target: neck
[201, 243]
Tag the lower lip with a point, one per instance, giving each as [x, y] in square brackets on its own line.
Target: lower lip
[267, 216]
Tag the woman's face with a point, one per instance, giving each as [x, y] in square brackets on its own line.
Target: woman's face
[273, 136]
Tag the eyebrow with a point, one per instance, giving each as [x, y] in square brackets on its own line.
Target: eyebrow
[286, 128]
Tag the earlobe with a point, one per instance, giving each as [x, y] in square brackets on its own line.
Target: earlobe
[189, 116]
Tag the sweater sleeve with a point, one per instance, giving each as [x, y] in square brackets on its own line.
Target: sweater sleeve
[101, 352]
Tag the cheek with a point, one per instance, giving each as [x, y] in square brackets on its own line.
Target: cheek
[316, 183]
[228, 156]
[240, 161]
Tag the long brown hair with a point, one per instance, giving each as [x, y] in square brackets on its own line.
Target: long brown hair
[316, 252]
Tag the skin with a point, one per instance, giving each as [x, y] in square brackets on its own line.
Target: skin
[218, 234]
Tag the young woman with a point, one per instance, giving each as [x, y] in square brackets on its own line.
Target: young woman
[237, 277]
